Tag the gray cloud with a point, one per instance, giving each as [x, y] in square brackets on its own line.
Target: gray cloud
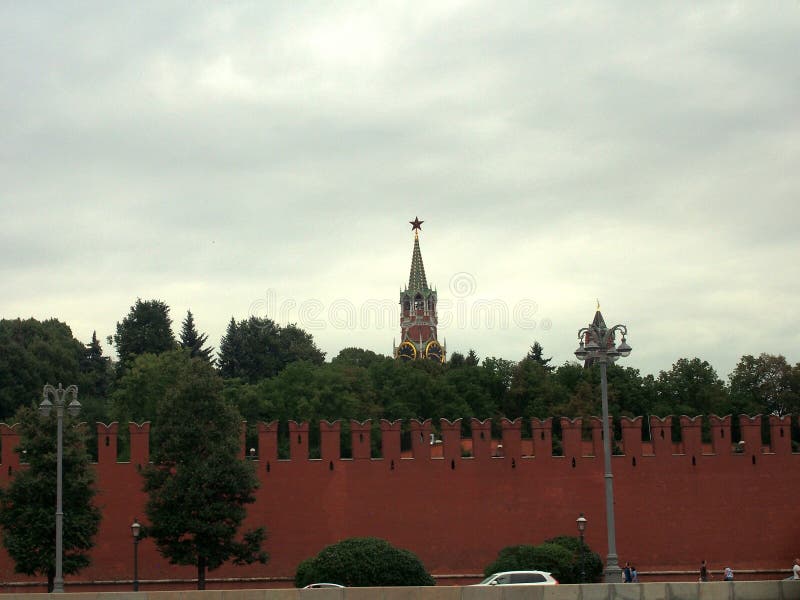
[558, 153]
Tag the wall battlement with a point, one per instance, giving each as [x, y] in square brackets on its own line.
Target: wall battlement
[575, 441]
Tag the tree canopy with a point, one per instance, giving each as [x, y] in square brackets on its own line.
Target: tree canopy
[274, 372]
[147, 328]
[33, 353]
[197, 487]
[142, 387]
[259, 348]
[767, 384]
[97, 369]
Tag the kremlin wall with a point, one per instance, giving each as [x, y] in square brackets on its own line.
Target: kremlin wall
[457, 502]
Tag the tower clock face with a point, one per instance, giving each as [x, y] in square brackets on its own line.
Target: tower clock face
[406, 351]
[434, 351]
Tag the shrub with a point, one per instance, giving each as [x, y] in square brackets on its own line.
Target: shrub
[560, 555]
[593, 564]
[363, 562]
[552, 558]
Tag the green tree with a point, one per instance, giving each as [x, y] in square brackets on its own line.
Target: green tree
[580, 387]
[258, 348]
[193, 341]
[27, 504]
[357, 357]
[474, 387]
[146, 329]
[307, 392]
[471, 360]
[583, 559]
[296, 344]
[251, 400]
[502, 369]
[456, 360]
[584, 402]
[691, 387]
[97, 369]
[141, 389]
[32, 353]
[363, 562]
[627, 393]
[197, 486]
[536, 353]
[406, 390]
[534, 391]
[764, 385]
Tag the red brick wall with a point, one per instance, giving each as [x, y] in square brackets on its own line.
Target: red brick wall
[675, 503]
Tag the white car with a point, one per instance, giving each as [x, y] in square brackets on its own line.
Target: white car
[520, 578]
[322, 585]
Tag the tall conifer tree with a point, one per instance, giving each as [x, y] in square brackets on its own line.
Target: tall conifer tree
[193, 341]
[536, 354]
[96, 366]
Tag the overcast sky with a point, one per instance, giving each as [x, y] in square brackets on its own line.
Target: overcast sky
[265, 158]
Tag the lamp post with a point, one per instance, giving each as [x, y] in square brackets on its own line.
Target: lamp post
[581, 523]
[59, 396]
[597, 344]
[136, 529]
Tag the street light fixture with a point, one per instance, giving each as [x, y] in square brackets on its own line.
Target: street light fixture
[136, 530]
[581, 523]
[597, 344]
[59, 396]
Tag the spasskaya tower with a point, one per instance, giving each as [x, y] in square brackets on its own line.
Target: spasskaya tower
[418, 335]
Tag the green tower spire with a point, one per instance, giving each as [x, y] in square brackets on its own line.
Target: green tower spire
[416, 279]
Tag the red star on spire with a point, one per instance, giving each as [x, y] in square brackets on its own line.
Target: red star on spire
[416, 224]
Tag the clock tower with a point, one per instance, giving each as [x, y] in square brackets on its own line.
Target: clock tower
[418, 335]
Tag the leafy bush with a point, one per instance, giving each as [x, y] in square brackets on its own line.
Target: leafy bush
[593, 564]
[560, 556]
[552, 558]
[363, 562]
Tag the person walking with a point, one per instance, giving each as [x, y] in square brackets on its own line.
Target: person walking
[634, 575]
[728, 574]
[796, 569]
[703, 571]
[626, 573]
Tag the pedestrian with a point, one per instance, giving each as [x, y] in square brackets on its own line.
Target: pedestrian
[626, 573]
[634, 575]
[796, 569]
[703, 571]
[728, 574]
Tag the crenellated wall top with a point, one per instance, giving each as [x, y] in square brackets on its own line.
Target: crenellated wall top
[429, 440]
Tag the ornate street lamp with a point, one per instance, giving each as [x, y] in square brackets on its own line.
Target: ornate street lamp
[59, 397]
[136, 530]
[597, 344]
[581, 523]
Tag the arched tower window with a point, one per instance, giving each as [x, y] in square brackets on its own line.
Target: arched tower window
[419, 303]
